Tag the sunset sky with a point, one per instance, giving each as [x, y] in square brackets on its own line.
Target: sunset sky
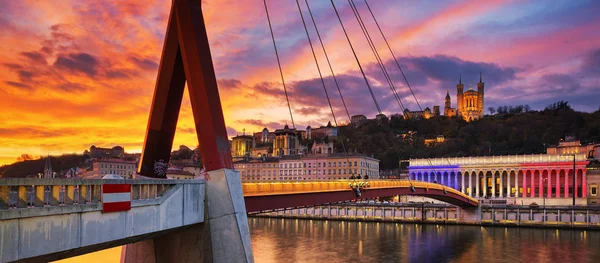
[79, 73]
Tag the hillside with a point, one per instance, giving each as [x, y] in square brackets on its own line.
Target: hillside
[33, 167]
[500, 134]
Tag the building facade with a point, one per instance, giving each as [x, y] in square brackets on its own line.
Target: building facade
[514, 178]
[179, 174]
[417, 115]
[311, 167]
[572, 146]
[264, 168]
[448, 110]
[470, 104]
[358, 119]
[323, 131]
[264, 136]
[241, 145]
[126, 169]
[99, 153]
[286, 142]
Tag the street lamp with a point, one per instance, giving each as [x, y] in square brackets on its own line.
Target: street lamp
[574, 174]
[544, 191]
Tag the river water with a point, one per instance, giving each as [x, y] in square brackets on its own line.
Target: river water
[298, 240]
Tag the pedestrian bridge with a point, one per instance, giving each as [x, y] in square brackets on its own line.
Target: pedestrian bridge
[50, 219]
[264, 196]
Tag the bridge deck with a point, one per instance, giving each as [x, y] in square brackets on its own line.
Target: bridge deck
[260, 196]
[49, 219]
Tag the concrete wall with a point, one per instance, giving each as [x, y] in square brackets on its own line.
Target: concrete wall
[50, 232]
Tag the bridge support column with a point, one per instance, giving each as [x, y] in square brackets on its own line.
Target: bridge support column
[224, 235]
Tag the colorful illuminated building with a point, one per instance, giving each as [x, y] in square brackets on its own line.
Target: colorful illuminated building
[540, 178]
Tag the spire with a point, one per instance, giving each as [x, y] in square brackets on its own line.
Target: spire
[480, 78]
[48, 168]
[447, 94]
[459, 78]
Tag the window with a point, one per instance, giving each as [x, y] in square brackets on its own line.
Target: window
[594, 189]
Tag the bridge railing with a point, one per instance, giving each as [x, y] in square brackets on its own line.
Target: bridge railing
[33, 192]
[278, 187]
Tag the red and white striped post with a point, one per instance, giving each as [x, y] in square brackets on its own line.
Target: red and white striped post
[116, 197]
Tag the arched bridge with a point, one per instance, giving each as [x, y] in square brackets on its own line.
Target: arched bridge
[75, 210]
[262, 196]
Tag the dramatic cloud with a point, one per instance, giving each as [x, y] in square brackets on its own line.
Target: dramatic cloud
[83, 72]
[81, 62]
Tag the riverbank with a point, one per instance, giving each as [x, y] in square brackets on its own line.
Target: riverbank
[586, 218]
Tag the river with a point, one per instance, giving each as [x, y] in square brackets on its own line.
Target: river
[298, 240]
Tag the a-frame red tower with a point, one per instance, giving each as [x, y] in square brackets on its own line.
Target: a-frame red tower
[186, 57]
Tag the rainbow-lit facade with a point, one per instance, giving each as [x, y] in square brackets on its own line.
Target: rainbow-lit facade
[514, 178]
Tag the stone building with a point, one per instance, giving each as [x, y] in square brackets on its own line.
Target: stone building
[358, 119]
[448, 110]
[322, 131]
[102, 167]
[241, 145]
[98, 152]
[263, 137]
[286, 142]
[470, 104]
[264, 168]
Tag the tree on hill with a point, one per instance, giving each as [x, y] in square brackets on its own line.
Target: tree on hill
[33, 167]
[516, 131]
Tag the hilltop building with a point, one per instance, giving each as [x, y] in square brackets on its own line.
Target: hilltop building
[358, 119]
[448, 110]
[322, 131]
[470, 104]
[99, 153]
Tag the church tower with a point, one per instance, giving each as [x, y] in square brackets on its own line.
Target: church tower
[480, 88]
[448, 102]
[459, 96]
[48, 169]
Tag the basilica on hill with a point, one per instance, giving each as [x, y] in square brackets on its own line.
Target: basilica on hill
[469, 104]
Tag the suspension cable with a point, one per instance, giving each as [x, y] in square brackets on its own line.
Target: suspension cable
[356, 57]
[279, 64]
[363, 27]
[322, 81]
[400, 68]
[394, 56]
[328, 62]
[371, 45]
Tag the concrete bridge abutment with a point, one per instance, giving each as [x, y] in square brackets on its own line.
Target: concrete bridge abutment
[224, 235]
[469, 215]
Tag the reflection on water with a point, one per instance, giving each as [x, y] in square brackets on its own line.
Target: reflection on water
[296, 240]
